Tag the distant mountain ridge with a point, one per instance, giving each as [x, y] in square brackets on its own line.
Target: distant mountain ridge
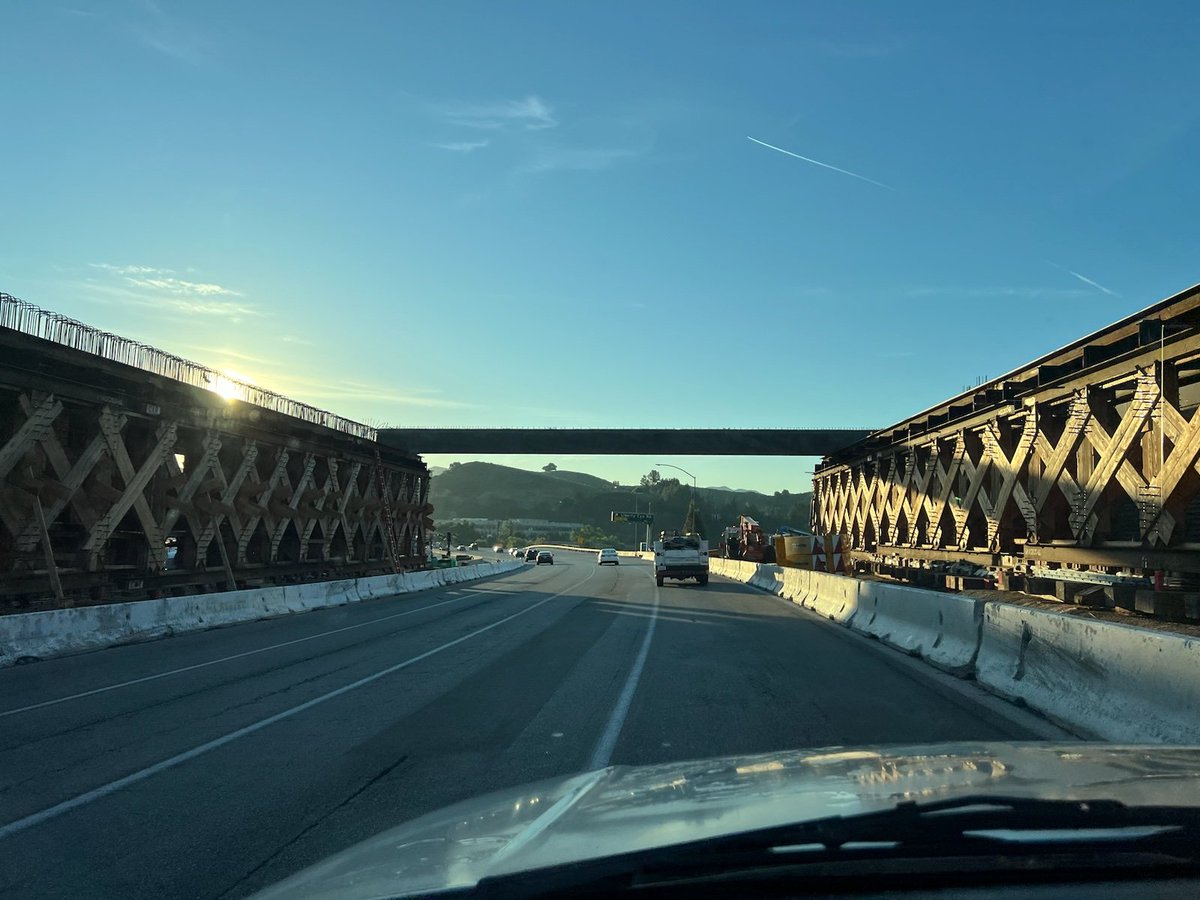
[479, 490]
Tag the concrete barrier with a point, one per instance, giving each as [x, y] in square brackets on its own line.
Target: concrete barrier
[768, 578]
[319, 594]
[1118, 682]
[795, 585]
[736, 569]
[383, 586]
[61, 631]
[833, 596]
[942, 629]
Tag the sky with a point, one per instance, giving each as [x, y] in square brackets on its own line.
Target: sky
[555, 214]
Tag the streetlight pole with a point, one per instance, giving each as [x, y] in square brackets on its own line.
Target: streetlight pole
[691, 476]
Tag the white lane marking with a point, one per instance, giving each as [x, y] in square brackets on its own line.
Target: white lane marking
[616, 720]
[142, 774]
[213, 662]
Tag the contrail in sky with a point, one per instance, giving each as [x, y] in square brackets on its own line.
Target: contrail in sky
[1086, 280]
[817, 162]
[1094, 284]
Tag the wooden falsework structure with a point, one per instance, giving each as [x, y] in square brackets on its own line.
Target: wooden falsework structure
[147, 482]
[1087, 457]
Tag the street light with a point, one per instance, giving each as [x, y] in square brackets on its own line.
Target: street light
[691, 476]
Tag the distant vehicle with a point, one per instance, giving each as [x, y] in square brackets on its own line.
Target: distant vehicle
[545, 556]
[517, 552]
[531, 555]
[473, 546]
[498, 549]
[460, 547]
[680, 556]
[607, 555]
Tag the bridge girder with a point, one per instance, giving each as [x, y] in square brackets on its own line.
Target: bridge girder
[102, 463]
[1089, 456]
[625, 441]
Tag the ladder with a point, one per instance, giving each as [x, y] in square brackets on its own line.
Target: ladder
[389, 526]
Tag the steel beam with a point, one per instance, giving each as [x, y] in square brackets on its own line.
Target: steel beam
[624, 441]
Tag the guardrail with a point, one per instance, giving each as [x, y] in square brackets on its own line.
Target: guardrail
[26, 318]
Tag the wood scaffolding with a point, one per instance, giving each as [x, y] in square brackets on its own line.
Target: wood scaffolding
[119, 480]
[1088, 457]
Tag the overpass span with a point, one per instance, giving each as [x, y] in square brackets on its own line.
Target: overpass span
[625, 441]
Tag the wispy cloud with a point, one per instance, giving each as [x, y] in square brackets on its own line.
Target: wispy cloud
[333, 388]
[463, 146]
[817, 162]
[278, 374]
[994, 292]
[209, 354]
[531, 113]
[166, 35]
[164, 280]
[577, 159]
[130, 270]
[179, 286]
[1097, 285]
[157, 288]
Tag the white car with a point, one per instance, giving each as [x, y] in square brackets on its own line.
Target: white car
[608, 555]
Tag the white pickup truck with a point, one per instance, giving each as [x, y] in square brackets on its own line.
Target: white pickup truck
[681, 556]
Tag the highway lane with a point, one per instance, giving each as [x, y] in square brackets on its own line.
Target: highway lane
[212, 764]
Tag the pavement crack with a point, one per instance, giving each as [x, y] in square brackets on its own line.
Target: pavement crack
[300, 835]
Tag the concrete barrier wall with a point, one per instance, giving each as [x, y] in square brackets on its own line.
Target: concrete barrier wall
[732, 568]
[767, 577]
[1113, 681]
[1119, 682]
[833, 596]
[61, 631]
[942, 629]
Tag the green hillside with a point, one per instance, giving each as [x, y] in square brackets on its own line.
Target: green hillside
[478, 490]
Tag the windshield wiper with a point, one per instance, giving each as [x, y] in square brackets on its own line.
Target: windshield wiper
[977, 830]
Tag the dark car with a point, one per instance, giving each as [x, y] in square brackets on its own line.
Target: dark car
[545, 556]
[531, 555]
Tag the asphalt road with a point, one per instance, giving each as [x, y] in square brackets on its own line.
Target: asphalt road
[213, 764]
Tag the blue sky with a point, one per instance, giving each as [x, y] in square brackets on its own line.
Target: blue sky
[520, 214]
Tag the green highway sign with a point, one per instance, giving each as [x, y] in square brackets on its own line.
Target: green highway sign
[632, 517]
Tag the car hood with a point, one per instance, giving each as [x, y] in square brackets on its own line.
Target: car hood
[622, 809]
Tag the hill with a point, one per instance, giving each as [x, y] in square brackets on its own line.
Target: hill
[479, 490]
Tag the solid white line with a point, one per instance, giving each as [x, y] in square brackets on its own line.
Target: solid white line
[142, 774]
[213, 662]
[616, 720]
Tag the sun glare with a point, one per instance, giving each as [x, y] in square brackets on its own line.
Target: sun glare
[226, 386]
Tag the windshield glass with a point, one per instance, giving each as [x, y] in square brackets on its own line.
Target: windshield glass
[900, 501]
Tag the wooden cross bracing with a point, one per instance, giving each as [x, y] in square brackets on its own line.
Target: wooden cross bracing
[1072, 452]
[97, 472]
